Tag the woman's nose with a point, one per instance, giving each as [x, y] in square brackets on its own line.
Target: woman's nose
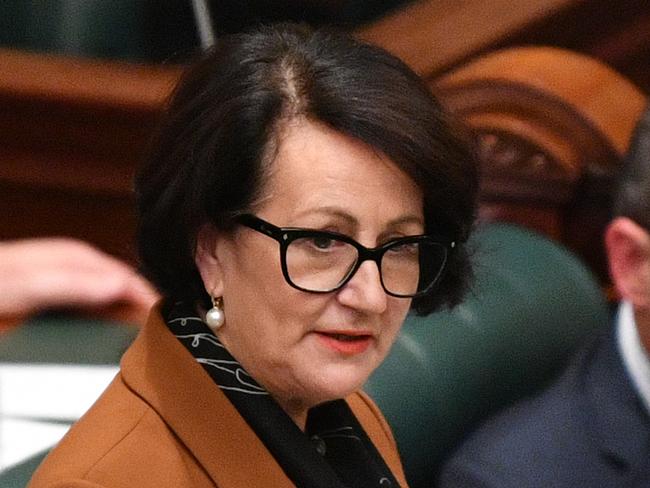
[364, 291]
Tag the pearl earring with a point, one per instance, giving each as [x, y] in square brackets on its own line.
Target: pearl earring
[215, 316]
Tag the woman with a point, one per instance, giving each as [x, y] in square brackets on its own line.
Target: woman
[305, 192]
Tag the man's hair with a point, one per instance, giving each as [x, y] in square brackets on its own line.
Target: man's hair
[633, 196]
[222, 130]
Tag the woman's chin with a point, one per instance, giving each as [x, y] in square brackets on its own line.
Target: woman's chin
[337, 382]
[332, 375]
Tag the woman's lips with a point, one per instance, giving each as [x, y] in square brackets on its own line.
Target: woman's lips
[347, 343]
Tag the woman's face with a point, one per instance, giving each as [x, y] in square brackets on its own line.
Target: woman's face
[307, 348]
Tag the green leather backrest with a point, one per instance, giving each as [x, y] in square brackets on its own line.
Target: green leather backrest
[531, 305]
[61, 339]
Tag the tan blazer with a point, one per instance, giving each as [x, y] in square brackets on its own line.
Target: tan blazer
[163, 423]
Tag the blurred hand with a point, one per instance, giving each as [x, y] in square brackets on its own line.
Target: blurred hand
[51, 273]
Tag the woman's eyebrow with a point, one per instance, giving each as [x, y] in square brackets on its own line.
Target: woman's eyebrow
[350, 220]
[406, 219]
[331, 211]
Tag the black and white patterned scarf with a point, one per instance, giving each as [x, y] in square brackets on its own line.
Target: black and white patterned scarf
[333, 452]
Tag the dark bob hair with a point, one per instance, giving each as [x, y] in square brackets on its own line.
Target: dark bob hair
[208, 161]
[632, 199]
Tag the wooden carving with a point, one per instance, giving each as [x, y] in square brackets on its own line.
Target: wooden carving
[551, 127]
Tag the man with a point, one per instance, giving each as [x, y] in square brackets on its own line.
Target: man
[591, 428]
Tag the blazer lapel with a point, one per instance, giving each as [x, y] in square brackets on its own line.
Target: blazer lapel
[159, 369]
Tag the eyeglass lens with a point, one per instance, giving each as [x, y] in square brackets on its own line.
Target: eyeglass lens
[323, 263]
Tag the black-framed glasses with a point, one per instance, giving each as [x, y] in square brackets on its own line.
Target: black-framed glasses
[322, 262]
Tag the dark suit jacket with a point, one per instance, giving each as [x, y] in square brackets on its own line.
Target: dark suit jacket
[163, 423]
[588, 429]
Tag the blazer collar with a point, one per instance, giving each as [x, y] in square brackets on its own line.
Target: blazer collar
[612, 410]
[161, 371]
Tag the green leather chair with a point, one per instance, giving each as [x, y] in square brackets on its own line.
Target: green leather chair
[532, 304]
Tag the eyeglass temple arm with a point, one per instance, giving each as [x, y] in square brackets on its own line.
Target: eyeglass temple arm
[260, 225]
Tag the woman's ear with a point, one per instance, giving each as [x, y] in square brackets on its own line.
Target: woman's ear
[628, 251]
[207, 259]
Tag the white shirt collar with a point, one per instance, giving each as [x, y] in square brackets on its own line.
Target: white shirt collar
[635, 357]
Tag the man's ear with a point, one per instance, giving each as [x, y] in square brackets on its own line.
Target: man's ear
[207, 259]
[628, 251]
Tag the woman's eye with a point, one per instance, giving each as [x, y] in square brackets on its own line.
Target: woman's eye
[322, 242]
[407, 248]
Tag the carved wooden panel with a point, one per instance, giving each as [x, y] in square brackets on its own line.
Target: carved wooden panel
[550, 128]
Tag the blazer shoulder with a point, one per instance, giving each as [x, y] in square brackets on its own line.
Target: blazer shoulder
[115, 413]
[104, 448]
